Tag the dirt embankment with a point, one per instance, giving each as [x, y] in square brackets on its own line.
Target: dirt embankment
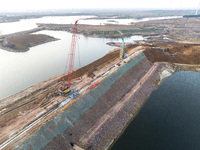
[102, 123]
[44, 96]
[107, 108]
[174, 53]
[100, 63]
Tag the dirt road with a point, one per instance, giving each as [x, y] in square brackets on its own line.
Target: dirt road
[116, 108]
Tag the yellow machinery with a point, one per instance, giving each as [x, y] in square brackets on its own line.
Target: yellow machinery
[67, 91]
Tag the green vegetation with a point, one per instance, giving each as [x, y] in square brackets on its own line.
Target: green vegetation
[131, 31]
[104, 32]
[124, 17]
[140, 30]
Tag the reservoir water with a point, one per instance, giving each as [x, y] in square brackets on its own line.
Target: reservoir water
[169, 120]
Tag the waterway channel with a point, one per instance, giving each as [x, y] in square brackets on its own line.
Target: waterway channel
[169, 120]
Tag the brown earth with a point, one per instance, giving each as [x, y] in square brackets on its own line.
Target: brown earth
[24, 42]
[100, 63]
[116, 108]
[174, 53]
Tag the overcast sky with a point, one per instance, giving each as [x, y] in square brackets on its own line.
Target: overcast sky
[66, 4]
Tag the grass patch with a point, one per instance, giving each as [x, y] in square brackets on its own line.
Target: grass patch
[140, 30]
[104, 32]
[130, 31]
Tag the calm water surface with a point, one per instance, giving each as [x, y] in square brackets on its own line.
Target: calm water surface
[169, 120]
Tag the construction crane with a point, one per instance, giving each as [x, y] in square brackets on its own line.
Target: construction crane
[72, 54]
[66, 87]
[123, 54]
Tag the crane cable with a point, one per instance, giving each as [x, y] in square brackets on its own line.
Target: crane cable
[66, 66]
[78, 50]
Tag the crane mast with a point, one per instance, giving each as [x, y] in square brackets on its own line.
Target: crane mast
[65, 88]
[72, 54]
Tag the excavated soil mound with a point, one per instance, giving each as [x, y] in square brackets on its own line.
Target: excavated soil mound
[174, 53]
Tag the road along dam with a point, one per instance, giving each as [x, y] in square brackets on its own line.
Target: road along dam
[98, 117]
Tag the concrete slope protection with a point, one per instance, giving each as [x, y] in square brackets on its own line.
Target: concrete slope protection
[84, 113]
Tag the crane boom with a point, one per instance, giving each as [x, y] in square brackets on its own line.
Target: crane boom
[72, 54]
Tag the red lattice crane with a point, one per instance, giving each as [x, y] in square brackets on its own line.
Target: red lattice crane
[72, 54]
[66, 88]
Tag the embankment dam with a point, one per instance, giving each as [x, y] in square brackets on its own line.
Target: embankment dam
[98, 118]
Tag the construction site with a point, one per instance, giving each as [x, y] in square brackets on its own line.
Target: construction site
[89, 108]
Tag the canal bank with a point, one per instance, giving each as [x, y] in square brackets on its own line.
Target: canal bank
[125, 83]
[104, 110]
[98, 118]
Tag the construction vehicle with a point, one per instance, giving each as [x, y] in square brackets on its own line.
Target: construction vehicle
[65, 87]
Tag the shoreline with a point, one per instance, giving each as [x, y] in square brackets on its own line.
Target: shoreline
[167, 70]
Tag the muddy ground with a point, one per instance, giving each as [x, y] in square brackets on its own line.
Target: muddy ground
[22, 43]
[174, 53]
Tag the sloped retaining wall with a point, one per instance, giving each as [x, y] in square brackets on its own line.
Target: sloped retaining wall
[80, 117]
